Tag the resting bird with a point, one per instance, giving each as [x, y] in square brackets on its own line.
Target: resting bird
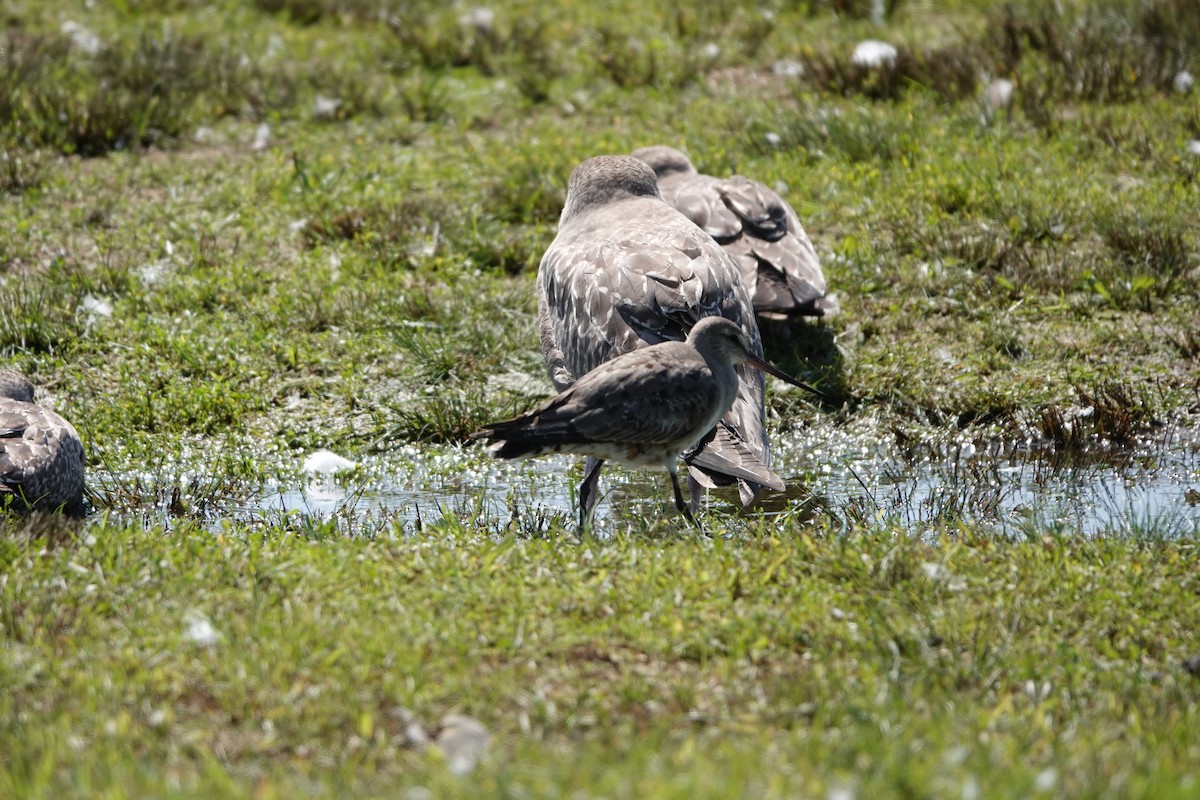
[41, 457]
[755, 226]
[643, 408]
[627, 271]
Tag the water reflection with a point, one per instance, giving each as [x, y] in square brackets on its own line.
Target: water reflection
[1012, 488]
[851, 473]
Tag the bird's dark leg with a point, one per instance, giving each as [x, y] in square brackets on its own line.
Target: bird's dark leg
[679, 503]
[696, 489]
[587, 489]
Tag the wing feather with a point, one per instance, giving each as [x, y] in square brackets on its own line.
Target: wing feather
[628, 275]
[41, 456]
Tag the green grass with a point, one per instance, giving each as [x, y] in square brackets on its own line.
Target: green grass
[766, 665]
[358, 282]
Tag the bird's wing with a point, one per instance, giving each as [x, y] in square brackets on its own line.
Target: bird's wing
[33, 438]
[656, 396]
[698, 197]
[15, 452]
[578, 322]
[716, 286]
[789, 272]
[633, 274]
[722, 456]
[650, 398]
[644, 276]
[762, 212]
[41, 456]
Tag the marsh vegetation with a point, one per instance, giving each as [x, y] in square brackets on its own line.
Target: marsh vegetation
[234, 234]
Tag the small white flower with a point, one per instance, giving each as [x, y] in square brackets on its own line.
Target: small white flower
[938, 573]
[481, 19]
[262, 137]
[95, 308]
[81, 37]
[199, 630]
[463, 739]
[1046, 780]
[153, 272]
[873, 53]
[326, 107]
[787, 68]
[998, 93]
[841, 793]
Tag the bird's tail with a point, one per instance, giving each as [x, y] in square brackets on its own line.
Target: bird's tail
[722, 458]
[499, 447]
[525, 437]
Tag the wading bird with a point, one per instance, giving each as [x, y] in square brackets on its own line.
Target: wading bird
[755, 226]
[643, 408]
[41, 457]
[626, 271]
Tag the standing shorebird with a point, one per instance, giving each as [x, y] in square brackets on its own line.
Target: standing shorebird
[627, 271]
[755, 226]
[41, 457]
[643, 408]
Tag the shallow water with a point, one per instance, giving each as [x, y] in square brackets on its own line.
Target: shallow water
[849, 472]
[1011, 487]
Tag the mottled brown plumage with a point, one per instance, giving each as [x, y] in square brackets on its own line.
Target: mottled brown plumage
[643, 408]
[627, 271]
[755, 226]
[41, 456]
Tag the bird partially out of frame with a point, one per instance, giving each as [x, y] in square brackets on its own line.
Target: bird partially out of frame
[41, 456]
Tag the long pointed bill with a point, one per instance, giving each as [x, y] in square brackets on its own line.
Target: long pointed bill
[763, 366]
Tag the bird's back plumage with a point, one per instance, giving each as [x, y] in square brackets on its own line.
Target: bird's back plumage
[754, 225]
[641, 409]
[626, 271]
[41, 455]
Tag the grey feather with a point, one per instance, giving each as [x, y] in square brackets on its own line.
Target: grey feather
[627, 271]
[755, 225]
[41, 455]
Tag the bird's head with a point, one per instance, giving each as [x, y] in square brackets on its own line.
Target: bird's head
[15, 386]
[665, 160]
[607, 179]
